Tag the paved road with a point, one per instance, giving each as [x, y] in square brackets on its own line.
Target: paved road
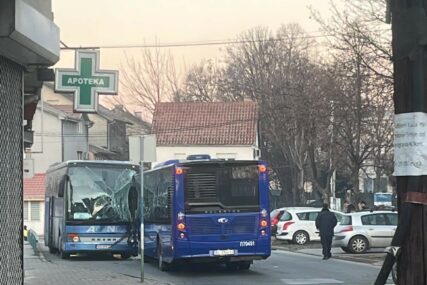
[281, 268]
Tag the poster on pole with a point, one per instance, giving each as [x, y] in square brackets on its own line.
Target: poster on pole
[410, 144]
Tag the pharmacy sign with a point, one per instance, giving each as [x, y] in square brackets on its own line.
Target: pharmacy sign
[86, 81]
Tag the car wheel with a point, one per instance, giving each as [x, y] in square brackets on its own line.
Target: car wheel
[300, 237]
[358, 244]
[346, 249]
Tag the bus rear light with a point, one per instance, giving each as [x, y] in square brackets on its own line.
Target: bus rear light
[287, 225]
[182, 235]
[262, 168]
[263, 223]
[178, 171]
[73, 237]
[181, 226]
[263, 232]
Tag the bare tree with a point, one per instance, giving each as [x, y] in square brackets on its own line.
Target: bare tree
[146, 80]
[361, 54]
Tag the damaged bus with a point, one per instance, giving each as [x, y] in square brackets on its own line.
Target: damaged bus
[92, 207]
[207, 211]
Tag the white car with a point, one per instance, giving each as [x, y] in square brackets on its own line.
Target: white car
[363, 230]
[298, 225]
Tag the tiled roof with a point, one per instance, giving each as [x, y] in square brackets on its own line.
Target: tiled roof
[69, 110]
[200, 123]
[34, 188]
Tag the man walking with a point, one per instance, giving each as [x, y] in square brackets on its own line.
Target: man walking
[325, 223]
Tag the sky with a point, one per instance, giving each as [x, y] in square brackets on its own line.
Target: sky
[131, 22]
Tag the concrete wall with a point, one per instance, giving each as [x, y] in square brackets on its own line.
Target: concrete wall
[51, 150]
[74, 140]
[36, 225]
[98, 133]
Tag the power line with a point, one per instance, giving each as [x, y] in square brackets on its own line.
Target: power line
[189, 44]
[198, 43]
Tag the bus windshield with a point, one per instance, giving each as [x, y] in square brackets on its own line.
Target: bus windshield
[101, 193]
[221, 186]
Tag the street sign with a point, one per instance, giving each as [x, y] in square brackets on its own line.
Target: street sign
[86, 81]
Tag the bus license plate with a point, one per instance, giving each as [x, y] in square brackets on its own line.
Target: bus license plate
[224, 252]
[103, 246]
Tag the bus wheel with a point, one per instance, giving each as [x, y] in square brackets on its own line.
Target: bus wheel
[62, 254]
[52, 249]
[232, 266]
[244, 265]
[163, 266]
[125, 255]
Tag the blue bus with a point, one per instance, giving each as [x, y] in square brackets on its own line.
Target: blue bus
[207, 211]
[92, 206]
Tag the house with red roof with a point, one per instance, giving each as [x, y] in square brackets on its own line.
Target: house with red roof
[225, 130]
[34, 190]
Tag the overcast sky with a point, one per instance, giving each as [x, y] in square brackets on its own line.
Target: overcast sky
[124, 22]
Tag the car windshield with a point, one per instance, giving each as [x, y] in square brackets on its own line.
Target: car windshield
[99, 193]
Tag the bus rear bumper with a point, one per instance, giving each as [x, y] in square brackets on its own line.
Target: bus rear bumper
[229, 251]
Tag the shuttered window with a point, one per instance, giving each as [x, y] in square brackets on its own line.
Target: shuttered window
[25, 210]
[35, 211]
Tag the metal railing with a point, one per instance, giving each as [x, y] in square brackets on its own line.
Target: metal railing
[33, 239]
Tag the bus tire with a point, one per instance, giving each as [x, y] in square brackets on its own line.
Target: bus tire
[245, 265]
[125, 255]
[52, 249]
[232, 266]
[62, 254]
[163, 266]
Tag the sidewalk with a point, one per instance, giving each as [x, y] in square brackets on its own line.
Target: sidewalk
[39, 271]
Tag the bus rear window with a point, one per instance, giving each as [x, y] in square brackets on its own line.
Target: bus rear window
[219, 186]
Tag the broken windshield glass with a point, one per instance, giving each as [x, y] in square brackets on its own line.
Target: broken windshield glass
[102, 193]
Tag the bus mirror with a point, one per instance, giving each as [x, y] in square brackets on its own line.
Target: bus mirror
[62, 186]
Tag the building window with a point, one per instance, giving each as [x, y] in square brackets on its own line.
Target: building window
[35, 211]
[25, 210]
[79, 155]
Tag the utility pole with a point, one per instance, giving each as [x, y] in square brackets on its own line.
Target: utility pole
[409, 244]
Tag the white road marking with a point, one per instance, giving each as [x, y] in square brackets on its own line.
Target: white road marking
[312, 281]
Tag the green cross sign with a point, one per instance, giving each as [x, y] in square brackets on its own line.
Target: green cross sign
[86, 81]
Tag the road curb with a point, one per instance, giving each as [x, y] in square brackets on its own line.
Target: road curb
[335, 256]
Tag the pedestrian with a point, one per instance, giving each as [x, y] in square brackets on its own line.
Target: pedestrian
[25, 233]
[351, 209]
[325, 223]
[362, 206]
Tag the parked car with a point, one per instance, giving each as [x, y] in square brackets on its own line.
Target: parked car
[298, 225]
[360, 231]
[275, 216]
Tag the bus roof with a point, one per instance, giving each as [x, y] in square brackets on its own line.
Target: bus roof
[110, 162]
[207, 161]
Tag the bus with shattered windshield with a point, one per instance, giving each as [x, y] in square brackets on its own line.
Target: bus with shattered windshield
[92, 206]
[207, 211]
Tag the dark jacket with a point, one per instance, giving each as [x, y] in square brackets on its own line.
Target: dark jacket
[326, 222]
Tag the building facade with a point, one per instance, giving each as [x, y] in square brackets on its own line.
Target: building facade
[29, 44]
